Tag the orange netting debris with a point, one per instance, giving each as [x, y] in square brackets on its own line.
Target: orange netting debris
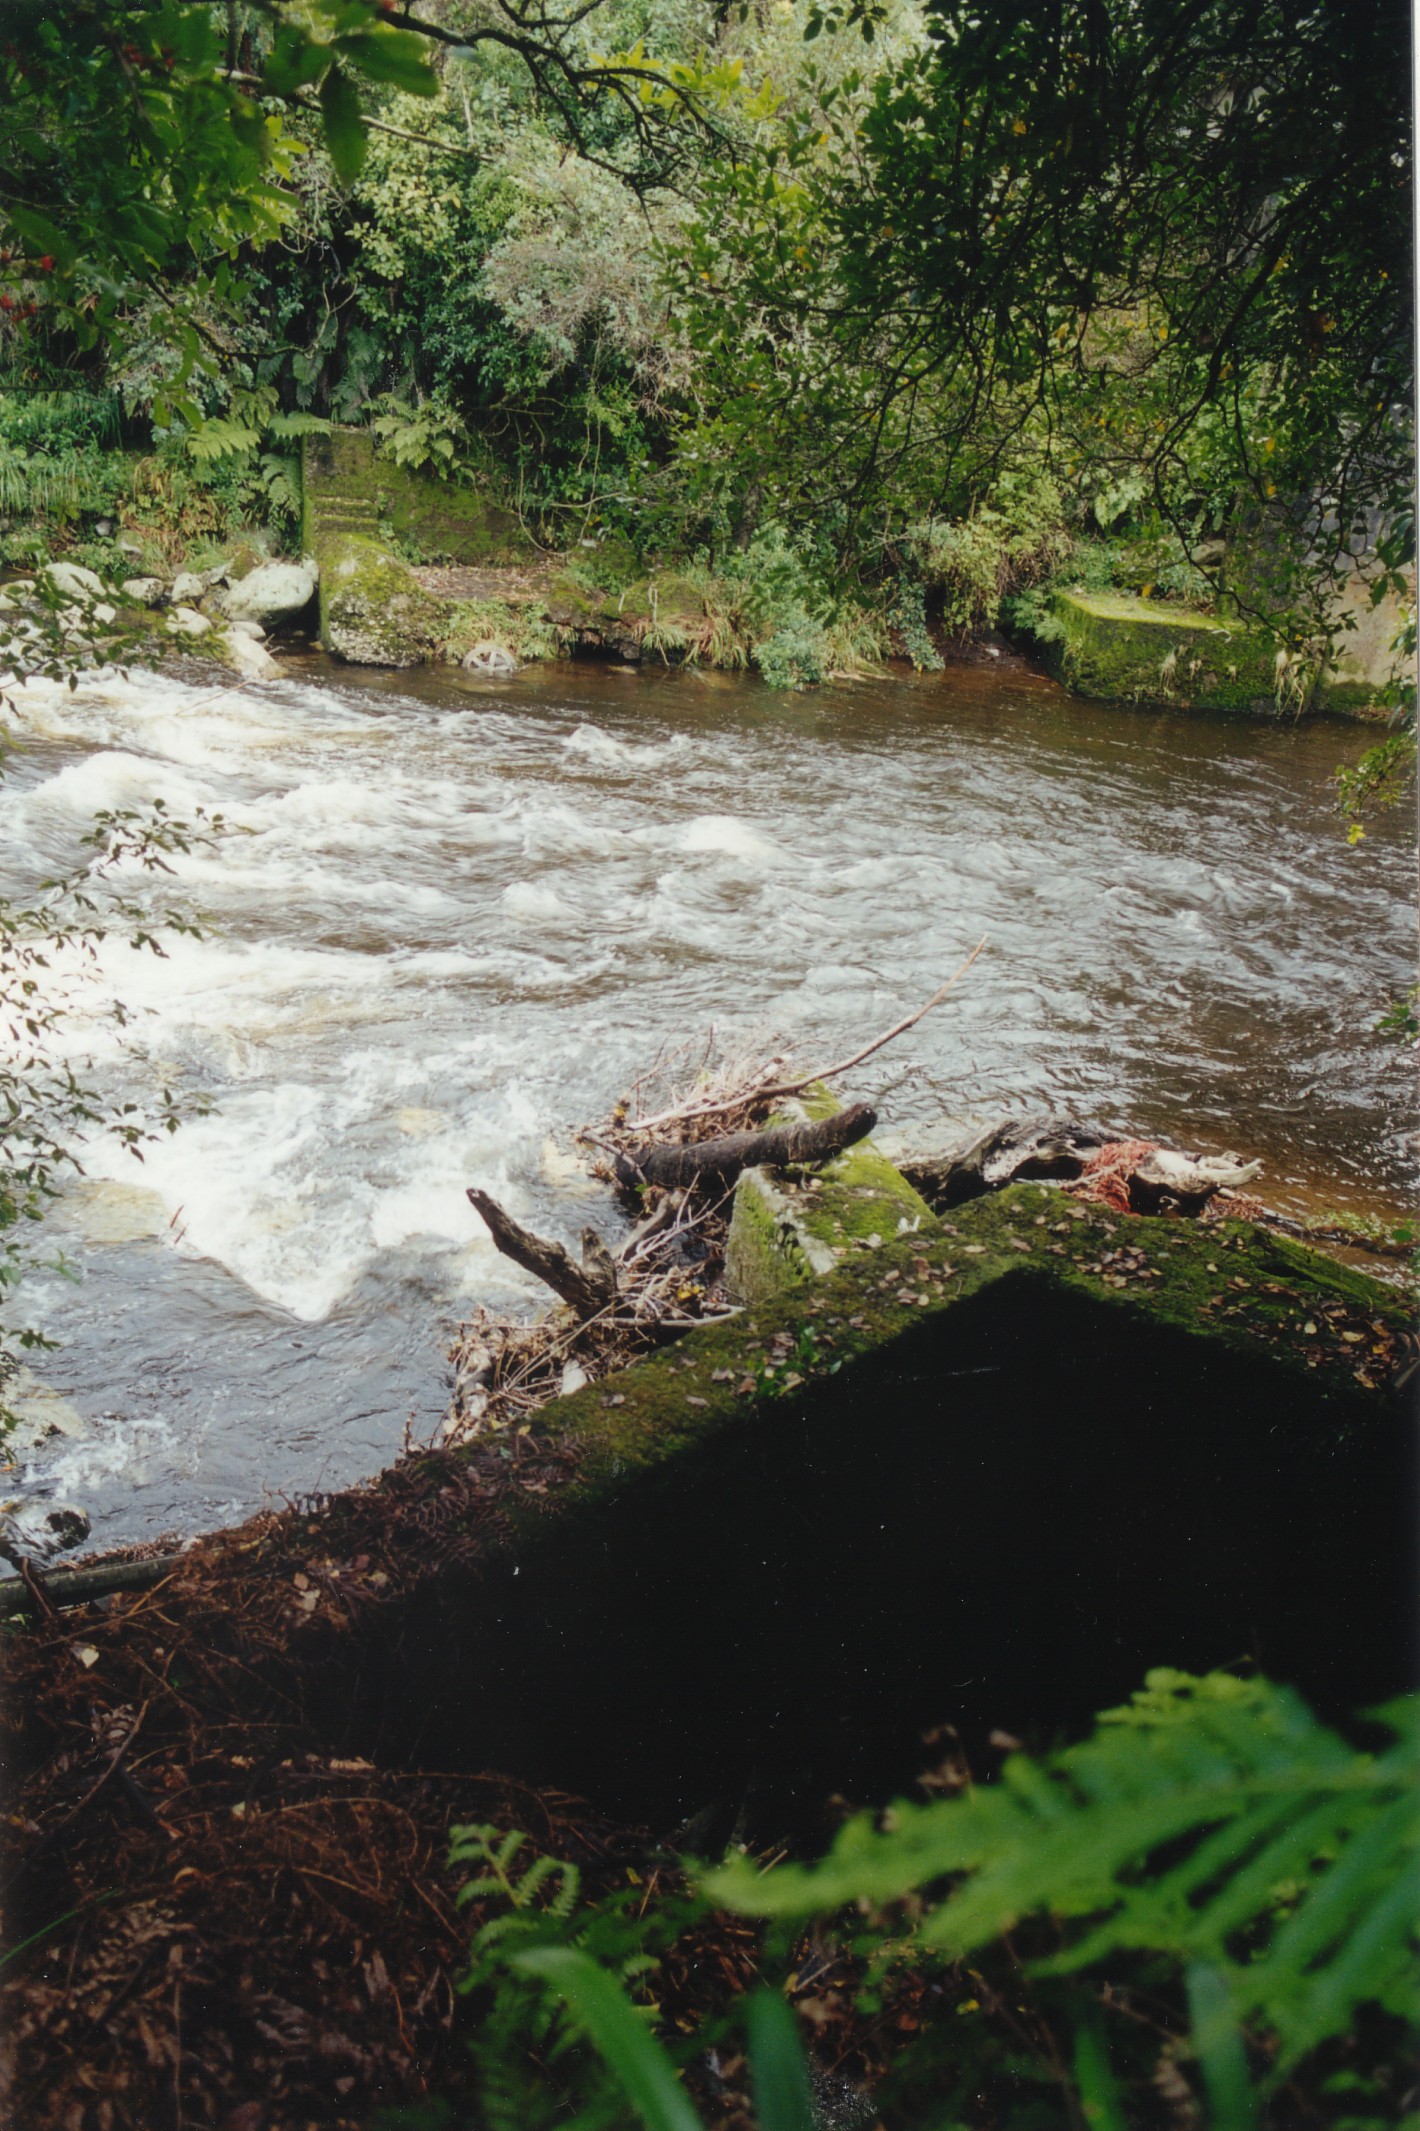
[1104, 1179]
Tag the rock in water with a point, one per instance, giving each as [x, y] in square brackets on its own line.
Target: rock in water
[374, 612]
[29, 1531]
[272, 593]
[186, 621]
[251, 658]
[490, 658]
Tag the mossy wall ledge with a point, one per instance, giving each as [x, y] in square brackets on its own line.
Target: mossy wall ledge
[346, 483]
[1230, 1288]
[983, 1474]
[1119, 648]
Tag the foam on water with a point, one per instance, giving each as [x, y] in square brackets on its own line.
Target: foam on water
[441, 930]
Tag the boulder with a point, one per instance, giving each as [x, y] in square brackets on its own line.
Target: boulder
[374, 612]
[81, 621]
[71, 581]
[145, 591]
[188, 586]
[490, 658]
[272, 593]
[251, 659]
[186, 621]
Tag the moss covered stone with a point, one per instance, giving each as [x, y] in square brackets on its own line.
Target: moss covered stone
[373, 611]
[788, 1230]
[663, 613]
[1123, 649]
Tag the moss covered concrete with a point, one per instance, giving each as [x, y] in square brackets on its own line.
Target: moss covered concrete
[789, 1229]
[348, 486]
[1234, 1288]
[983, 1475]
[660, 614]
[1119, 648]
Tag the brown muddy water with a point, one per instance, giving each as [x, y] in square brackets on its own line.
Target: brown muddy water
[449, 922]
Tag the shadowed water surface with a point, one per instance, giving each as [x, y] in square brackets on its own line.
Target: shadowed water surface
[450, 922]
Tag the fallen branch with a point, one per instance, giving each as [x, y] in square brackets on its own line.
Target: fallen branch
[589, 1287]
[774, 1092]
[721, 1160]
[66, 1587]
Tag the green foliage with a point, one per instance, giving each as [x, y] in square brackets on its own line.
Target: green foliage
[1210, 1848]
[56, 455]
[908, 616]
[974, 562]
[525, 631]
[146, 144]
[1384, 777]
[641, 2068]
[431, 435]
[531, 2064]
[1400, 1023]
[793, 657]
[1213, 1820]
[1101, 237]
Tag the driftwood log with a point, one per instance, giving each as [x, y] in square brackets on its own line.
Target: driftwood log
[589, 1287]
[1006, 1153]
[1154, 1179]
[719, 1161]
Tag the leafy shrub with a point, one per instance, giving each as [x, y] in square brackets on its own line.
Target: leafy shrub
[531, 2067]
[972, 563]
[908, 616]
[525, 631]
[794, 657]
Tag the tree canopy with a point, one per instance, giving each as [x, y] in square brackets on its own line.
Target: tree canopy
[1168, 245]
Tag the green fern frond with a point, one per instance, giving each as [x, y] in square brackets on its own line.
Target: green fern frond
[1211, 1819]
[299, 425]
[217, 438]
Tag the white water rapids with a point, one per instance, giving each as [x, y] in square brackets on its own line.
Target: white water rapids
[444, 926]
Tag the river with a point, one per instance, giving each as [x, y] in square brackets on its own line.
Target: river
[446, 922]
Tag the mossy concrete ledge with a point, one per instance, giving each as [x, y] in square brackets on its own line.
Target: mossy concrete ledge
[346, 483]
[788, 1229]
[984, 1473]
[1123, 649]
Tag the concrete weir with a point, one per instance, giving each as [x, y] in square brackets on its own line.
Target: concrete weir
[982, 1471]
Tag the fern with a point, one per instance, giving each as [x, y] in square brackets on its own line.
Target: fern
[1212, 1819]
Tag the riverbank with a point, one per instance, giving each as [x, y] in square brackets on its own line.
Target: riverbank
[399, 568]
[231, 1793]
